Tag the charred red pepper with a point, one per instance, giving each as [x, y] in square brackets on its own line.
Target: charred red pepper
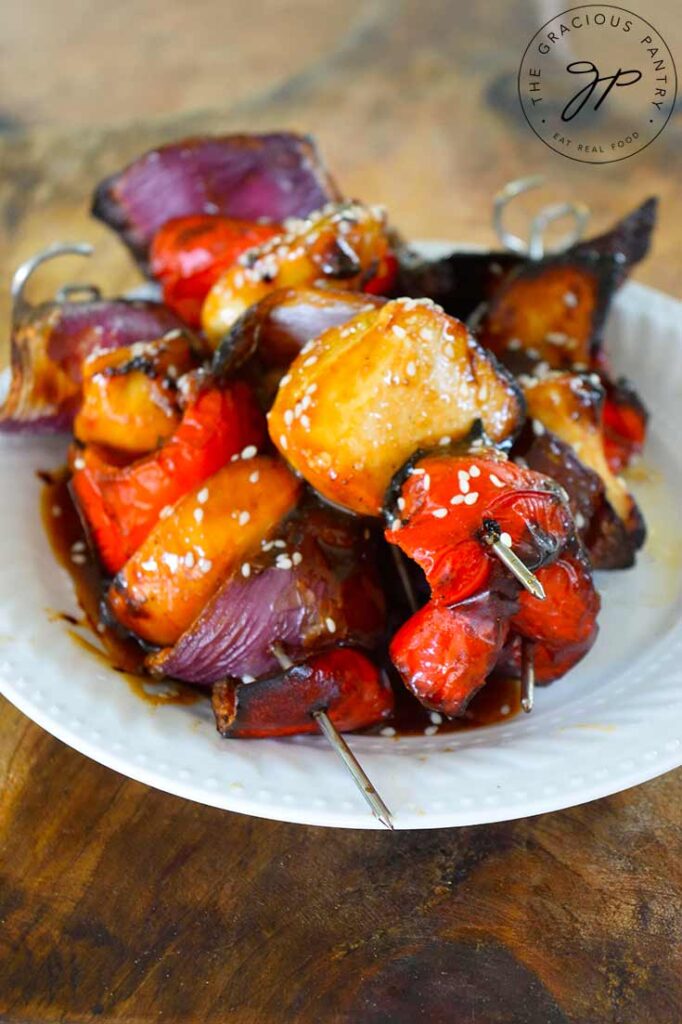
[189, 254]
[444, 655]
[624, 424]
[442, 505]
[121, 504]
[342, 682]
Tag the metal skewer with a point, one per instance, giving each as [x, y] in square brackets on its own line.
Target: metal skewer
[512, 562]
[399, 560]
[535, 247]
[341, 748]
[24, 272]
[527, 675]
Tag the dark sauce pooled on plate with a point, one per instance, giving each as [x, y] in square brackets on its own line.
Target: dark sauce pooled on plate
[497, 701]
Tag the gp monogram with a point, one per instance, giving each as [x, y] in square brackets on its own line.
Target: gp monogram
[597, 83]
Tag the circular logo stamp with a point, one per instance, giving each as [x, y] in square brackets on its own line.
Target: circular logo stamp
[597, 83]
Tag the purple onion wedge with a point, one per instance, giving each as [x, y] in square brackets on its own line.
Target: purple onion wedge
[48, 345]
[312, 586]
[276, 328]
[251, 177]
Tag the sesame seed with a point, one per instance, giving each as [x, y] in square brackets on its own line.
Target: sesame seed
[411, 369]
[254, 477]
[388, 731]
[399, 332]
[78, 558]
[78, 545]
[150, 565]
[79, 463]
[445, 440]
[202, 496]
[538, 428]
[426, 482]
[471, 499]
[514, 344]
[189, 560]
[248, 679]
[330, 624]
[297, 558]
[165, 511]
[249, 452]
[288, 417]
[505, 709]
[283, 442]
[505, 538]
[171, 560]
[450, 351]
[305, 422]
[285, 380]
[283, 562]
[279, 543]
[495, 480]
[474, 471]
[246, 570]
[439, 513]
[464, 485]
[430, 730]
[198, 514]
[204, 565]
[570, 300]
[310, 361]
[401, 503]
[244, 518]
[426, 334]
[579, 520]
[457, 500]
[436, 717]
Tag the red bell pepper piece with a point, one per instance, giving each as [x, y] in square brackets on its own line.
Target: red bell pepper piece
[625, 423]
[189, 254]
[448, 501]
[568, 614]
[444, 655]
[384, 280]
[121, 504]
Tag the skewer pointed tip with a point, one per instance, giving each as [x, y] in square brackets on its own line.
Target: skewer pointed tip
[527, 676]
[357, 772]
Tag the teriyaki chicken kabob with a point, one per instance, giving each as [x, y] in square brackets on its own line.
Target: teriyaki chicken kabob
[322, 468]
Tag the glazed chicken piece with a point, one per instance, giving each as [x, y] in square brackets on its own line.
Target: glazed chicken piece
[360, 399]
[130, 399]
[571, 407]
[345, 246]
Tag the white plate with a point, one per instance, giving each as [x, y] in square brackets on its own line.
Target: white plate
[615, 721]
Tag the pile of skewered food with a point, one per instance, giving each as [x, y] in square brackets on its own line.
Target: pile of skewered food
[322, 472]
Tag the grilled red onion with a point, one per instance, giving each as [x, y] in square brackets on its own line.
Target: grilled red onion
[246, 176]
[312, 586]
[49, 344]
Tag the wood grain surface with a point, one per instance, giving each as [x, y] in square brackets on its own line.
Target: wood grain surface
[123, 904]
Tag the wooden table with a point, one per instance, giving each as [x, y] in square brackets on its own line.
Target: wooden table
[119, 903]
